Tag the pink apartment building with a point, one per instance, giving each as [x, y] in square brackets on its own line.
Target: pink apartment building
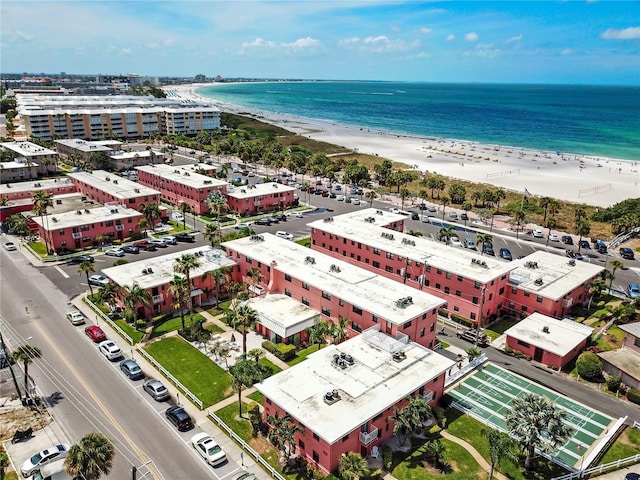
[155, 273]
[19, 195]
[178, 185]
[80, 228]
[343, 395]
[373, 239]
[261, 197]
[547, 340]
[111, 189]
[335, 289]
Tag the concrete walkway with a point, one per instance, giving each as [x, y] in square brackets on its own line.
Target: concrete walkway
[474, 453]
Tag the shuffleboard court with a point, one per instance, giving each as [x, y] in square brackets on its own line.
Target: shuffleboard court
[488, 393]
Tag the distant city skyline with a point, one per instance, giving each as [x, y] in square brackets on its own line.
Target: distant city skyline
[587, 42]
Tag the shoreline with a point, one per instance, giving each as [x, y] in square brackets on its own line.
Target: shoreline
[593, 180]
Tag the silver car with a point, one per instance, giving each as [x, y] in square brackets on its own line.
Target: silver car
[75, 317]
[156, 390]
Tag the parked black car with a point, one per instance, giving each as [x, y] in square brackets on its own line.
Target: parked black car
[82, 258]
[505, 253]
[487, 249]
[185, 237]
[584, 244]
[131, 249]
[567, 239]
[627, 253]
[179, 418]
[263, 221]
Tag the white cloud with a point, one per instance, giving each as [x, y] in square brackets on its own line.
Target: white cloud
[303, 43]
[631, 33]
[485, 50]
[348, 41]
[425, 30]
[259, 43]
[378, 39]
[471, 37]
[451, 37]
[423, 55]
[566, 51]
[126, 51]
[383, 44]
[515, 38]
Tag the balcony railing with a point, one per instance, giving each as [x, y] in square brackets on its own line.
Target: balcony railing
[367, 438]
[157, 298]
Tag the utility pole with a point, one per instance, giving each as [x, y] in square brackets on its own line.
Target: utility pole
[7, 356]
[484, 289]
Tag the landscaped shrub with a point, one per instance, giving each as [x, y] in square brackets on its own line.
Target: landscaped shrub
[283, 351]
[441, 418]
[633, 395]
[589, 366]
[613, 383]
[387, 457]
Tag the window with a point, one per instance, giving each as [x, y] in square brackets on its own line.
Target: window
[407, 325]
[287, 277]
[287, 292]
[326, 311]
[514, 290]
[448, 275]
[459, 278]
[305, 285]
[268, 401]
[439, 271]
[422, 331]
[539, 299]
[375, 264]
[301, 444]
[316, 457]
[524, 308]
[524, 344]
[374, 319]
[356, 326]
[341, 302]
[357, 310]
[376, 251]
[61, 231]
[388, 269]
[501, 292]
[526, 294]
[456, 309]
[345, 438]
[432, 327]
[390, 255]
[474, 300]
[316, 437]
[305, 301]
[472, 316]
[326, 295]
[428, 269]
[438, 286]
[476, 284]
[458, 293]
[446, 290]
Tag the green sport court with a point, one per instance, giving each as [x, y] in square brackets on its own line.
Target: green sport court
[487, 395]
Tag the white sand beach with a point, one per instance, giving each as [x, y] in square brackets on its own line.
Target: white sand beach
[594, 181]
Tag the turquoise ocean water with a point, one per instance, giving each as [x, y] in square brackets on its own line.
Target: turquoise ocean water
[579, 119]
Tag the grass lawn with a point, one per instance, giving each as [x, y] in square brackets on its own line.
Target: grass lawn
[257, 397]
[193, 369]
[305, 242]
[213, 328]
[39, 248]
[136, 335]
[626, 445]
[498, 328]
[302, 354]
[412, 466]
[170, 326]
[265, 362]
[612, 340]
[215, 311]
[241, 426]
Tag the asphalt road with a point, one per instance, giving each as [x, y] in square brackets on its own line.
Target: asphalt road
[86, 392]
[586, 394]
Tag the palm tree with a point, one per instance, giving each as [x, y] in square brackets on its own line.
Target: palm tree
[107, 293]
[219, 276]
[519, 216]
[404, 194]
[42, 201]
[338, 331]
[256, 354]
[371, 196]
[615, 265]
[135, 295]
[401, 425]
[318, 332]
[583, 228]
[501, 447]
[352, 466]
[211, 233]
[551, 223]
[545, 202]
[445, 201]
[151, 212]
[255, 276]
[436, 450]
[245, 319]
[18, 225]
[244, 373]
[179, 289]
[537, 423]
[483, 238]
[86, 268]
[218, 203]
[26, 354]
[499, 194]
[184, 265]
[447, 232]
[466, 206]
[282, 433]
[595, 289]
[184, 209]
[91, 457]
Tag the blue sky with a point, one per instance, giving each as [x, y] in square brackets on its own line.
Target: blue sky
[596, 42]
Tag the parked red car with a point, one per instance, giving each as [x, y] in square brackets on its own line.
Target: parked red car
[145, 245]
[95, 333]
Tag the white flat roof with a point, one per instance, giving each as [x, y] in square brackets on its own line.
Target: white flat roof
[195, 167]
[162, 267]
[368, 227]
[85, 217]
[35, 185]
[282, 314]
[372, 384]
[556, 275]
[83, 145]
[562, 336]
[105, 181]
[27, 149]
[360, 287]
[250, 191]
[182, 176]
[134, 154]
[13, 165]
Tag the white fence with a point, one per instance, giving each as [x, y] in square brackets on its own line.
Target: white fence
[455, 376]
[173, 379]
[111, 323]
[598, 470]
[274, 473]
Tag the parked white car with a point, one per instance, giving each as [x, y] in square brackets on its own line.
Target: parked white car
[75, 317]
[295, 215]
[208, 449]
[115, 252]
[110, 350]
[537, 233]
[177, 216]
[285, 235]
[43, 458]
[455, 242]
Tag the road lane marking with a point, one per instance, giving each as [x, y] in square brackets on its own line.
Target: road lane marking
[62, 272]
[151, 466]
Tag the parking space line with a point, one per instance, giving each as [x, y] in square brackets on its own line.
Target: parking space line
[62, 272]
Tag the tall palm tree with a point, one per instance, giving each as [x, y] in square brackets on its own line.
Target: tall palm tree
[217, 203]
[133, 296]
[151, 212]
[42, 201]
[91, 457]
[371, 195]
[352, 466]
[483, 238]
[211, 233]
[318, 332]
[26, 354]
[447, 232]
[615, 265]
[179, 289]
[256, 354]
[338, 331]
[255, 276]
[595, 289]
[499, 194]
[86, 268]
[583, 228]
[18, 225]
[107, 293]
[244, 374]
[219, 276]
[501, 447]
[545, 202]
[282, 433]
[401, 425]
[445, 201]
[184, 265]
[519, 216]
[550, 224]
[245, 318]
[537, 424]
[184, 209]
[404, 194]
[466, 206]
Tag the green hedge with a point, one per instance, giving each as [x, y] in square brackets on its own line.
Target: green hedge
[633, 395]
[283, 351]
[455, 317]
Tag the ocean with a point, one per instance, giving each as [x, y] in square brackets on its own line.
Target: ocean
[572, 119]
